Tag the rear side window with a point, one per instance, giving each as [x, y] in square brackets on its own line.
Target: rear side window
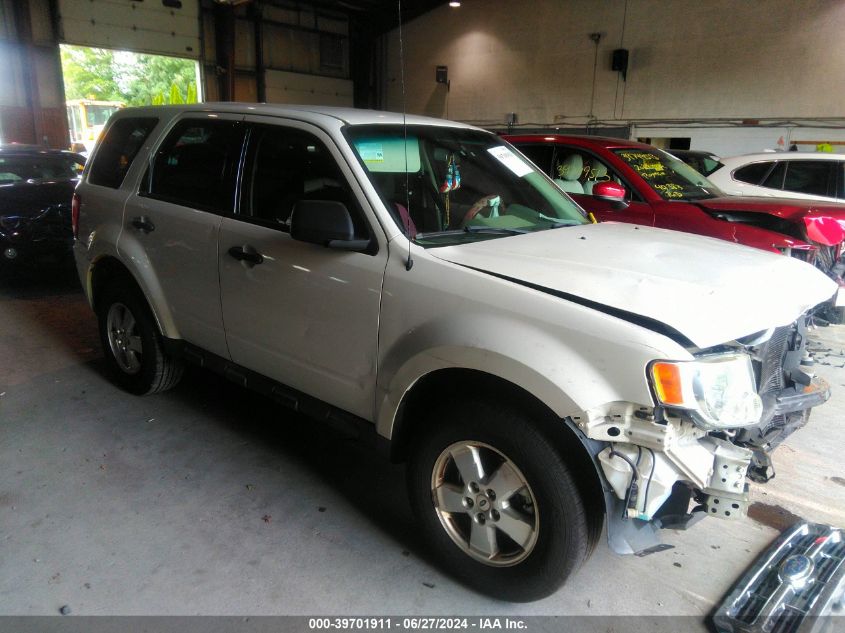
[814, 177]
[754, 173]
[196, 165]
[118, 149]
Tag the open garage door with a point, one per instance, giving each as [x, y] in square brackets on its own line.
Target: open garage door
[144, 27]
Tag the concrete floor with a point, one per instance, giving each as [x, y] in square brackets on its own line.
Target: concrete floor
[211, 500]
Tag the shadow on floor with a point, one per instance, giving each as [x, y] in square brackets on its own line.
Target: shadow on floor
[22, 281]
[352, 467]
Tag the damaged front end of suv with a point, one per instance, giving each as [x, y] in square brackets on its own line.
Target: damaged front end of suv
[718, 419]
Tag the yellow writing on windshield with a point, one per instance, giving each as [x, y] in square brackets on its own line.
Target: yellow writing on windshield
[647, 165]
[669, 190]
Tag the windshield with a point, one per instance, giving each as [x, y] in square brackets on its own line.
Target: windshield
[99, 114]
[671, 178]
[449, 186]
[31, 169]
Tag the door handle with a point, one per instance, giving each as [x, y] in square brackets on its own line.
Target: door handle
[143, 224]
[246, 254]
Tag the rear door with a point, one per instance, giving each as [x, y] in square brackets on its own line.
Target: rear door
[174, 220]
[302, 314]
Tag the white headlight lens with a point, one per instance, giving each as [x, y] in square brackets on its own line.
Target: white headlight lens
[720, 390]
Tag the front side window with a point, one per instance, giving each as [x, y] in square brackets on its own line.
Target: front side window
[578, 171]
[670, 178]
[118, 149]
[197, 163]
[290, 165]
[446, 185]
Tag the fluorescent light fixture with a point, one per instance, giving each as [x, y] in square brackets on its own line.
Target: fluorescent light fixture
[454, 4]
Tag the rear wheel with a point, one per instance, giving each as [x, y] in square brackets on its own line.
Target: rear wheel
[132, 344]
[496, 502]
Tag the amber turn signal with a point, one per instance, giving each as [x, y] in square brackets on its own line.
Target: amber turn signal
[667, 383]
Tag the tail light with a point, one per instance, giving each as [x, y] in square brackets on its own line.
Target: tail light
[74, 215]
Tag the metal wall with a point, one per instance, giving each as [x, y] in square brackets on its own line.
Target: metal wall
[31, 91]
[267, 50]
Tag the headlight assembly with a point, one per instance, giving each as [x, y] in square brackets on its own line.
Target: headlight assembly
[718, 391]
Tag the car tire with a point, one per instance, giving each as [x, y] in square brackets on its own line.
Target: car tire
[133, 345]
[518, 528]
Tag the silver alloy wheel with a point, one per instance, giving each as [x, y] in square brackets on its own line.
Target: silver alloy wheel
[485, 504]
[124, 339]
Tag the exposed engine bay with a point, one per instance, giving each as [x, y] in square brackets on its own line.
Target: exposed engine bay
[665, 466]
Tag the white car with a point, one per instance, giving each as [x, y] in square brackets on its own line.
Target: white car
[803, 175]
[421, 279]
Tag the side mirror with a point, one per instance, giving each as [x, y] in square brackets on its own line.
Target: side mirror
[325, 222]
[610, 191]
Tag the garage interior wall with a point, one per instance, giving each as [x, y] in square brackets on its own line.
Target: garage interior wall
[720, 62]
[273, 51]
[283, 53]
[32, 98]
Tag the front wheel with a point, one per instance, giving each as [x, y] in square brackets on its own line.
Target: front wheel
[496, 502]
[132, 344]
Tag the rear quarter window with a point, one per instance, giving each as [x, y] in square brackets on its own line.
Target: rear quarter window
[118, 149]
[754, 173]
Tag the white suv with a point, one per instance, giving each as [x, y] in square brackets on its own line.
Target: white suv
[420, 278]
[802, 175]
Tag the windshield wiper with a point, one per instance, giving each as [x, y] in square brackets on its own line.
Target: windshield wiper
[557, 225]
[494, 229]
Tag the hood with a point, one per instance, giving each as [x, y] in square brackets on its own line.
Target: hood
[709, 290]
[786, 208]
[33, 199]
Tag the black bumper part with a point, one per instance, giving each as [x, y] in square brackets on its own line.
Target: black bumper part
[802, 397]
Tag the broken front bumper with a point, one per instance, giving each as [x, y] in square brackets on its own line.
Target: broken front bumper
[801, 397]
[796, 586]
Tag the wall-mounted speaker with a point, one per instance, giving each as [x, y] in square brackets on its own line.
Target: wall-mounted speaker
[619, 61]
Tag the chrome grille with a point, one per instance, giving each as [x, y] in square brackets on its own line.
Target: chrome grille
[797, 581]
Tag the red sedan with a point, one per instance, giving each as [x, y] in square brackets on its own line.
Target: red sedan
[625, 181]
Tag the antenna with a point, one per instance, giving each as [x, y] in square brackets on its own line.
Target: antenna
[409, 264]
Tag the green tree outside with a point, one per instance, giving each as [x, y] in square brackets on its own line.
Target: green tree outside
[134, 78]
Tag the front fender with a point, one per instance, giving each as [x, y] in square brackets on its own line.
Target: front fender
[569, 356]
[455, 357]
